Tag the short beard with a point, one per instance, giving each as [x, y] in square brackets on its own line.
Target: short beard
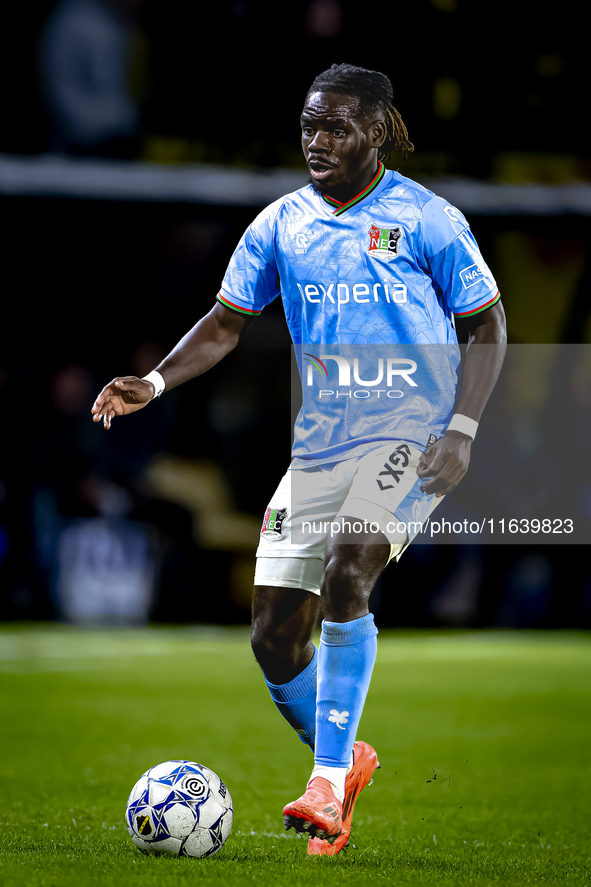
[316, 186]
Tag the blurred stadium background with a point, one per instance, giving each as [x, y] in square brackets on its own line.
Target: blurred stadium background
[138, 140]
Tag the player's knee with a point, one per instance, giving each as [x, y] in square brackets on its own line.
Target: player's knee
[281, 655]
[282, 623]
[344, 587]
[350, 574]
[263, 641]
[272, 644]
[342, 571]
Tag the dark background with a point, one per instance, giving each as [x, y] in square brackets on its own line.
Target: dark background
[232, 75]
[95, 288]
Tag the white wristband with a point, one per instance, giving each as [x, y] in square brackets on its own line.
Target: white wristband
[157, 381]
[463, 424]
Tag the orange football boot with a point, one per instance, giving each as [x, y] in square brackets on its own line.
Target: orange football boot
[317, 812]
[365, 761]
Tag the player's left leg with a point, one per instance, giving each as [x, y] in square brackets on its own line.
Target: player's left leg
[386, 493]
[347, 653]
[348, 642]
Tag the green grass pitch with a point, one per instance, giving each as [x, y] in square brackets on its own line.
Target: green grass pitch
[484, 740]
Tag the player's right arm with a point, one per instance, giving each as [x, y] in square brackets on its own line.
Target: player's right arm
[214, 336]
[249, 284]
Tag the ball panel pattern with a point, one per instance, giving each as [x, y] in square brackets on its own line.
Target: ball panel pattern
[180, 807]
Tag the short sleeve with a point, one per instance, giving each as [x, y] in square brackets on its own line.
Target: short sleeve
[456, 263]
[250, 281]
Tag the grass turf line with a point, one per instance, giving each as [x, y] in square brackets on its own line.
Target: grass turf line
[484, 740]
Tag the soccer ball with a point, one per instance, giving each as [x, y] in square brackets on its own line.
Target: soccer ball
[179, 807]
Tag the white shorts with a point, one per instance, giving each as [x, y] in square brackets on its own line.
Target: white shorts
[380, 489]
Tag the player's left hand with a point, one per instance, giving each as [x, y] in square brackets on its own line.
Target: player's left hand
[446, 462]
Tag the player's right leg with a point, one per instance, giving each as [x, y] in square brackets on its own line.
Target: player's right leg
[286, 601]
[283, 620]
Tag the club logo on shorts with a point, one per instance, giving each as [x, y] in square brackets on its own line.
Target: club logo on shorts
[273, 523]
[383, 242]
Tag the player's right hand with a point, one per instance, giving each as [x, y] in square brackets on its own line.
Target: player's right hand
[123, 395]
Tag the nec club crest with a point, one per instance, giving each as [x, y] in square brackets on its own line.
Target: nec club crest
[273, 523]
[383, 242]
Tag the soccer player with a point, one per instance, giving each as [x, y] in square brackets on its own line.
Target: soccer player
[373, 270]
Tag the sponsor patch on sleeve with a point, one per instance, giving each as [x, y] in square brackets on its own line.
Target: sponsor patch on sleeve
[471, 275]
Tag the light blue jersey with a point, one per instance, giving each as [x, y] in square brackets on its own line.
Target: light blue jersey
[370, 289]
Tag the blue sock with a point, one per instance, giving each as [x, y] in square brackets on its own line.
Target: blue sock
[296, 701]
[345, 663]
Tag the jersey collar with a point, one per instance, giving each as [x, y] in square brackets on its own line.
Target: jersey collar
[340, 208]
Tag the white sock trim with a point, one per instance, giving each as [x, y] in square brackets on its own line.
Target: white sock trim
[335, 775]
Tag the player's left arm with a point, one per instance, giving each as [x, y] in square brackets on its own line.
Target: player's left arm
[446, 461]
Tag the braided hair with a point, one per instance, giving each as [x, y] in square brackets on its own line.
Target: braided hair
[374, 92]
